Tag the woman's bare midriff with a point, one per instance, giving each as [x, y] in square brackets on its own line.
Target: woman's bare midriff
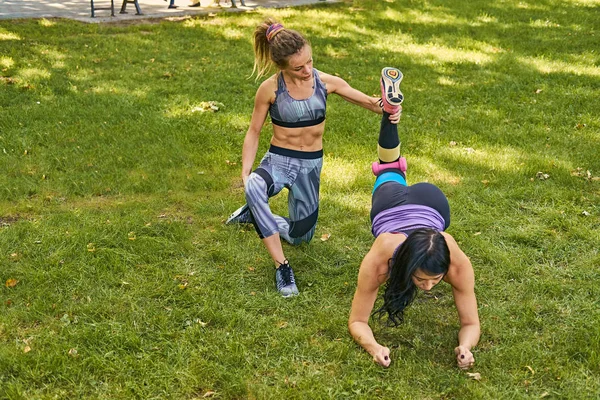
[309, 138]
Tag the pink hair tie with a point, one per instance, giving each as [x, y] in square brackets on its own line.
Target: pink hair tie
[273, 30]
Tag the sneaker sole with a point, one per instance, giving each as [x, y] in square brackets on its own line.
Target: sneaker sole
[292, 294]
[390, 85]
[236, 214]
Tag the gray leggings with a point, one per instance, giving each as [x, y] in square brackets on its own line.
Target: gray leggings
[300, 173]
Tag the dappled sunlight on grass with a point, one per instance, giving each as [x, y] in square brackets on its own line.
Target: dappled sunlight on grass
[486, 19]
[330, 20]
[523, 5]
[428, 17]
[503, 158]
[339, 172]
[6, 35]
[46, 22]
[334, 52]
[234, 33]
[112, 87]
[436, 53]
[482, 46]
[359, 202]
[6, 62]
[434, 172]
[445, 81]
[55, 57]
[547, 66]
[543, 23]
[33, 74]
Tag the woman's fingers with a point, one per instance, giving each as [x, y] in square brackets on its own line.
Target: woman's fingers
[464, 357]
[382, 357]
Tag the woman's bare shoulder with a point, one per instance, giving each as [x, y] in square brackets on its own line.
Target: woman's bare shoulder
[267, 89]
[383, 248]
[460, 269]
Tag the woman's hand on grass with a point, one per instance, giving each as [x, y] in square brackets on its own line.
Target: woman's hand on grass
[382, 356]
[464, 357]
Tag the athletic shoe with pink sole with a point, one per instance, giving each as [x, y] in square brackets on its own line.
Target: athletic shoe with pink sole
[391, 96]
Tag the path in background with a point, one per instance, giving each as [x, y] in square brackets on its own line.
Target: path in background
[81, 10]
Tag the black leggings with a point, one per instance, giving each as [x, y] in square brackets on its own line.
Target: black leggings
[392, 194]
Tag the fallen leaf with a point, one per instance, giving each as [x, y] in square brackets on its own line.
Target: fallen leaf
[474, 375]
[282, 324]
[585, 213]
[90, 247]
[210, 393]
[251, 269]
[542, 176]
[131, 236]
[325, 237]
[11, 282]
[485, 181]
[27, 349]
[211, 106]
[530, 369]
[73, 352]
[477, 234]
[538, 91]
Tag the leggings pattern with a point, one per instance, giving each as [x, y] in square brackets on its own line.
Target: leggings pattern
[302, 178]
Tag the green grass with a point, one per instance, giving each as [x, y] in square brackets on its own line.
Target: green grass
[113, 194]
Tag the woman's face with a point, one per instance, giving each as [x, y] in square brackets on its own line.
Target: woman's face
[300, 65]
[425, 282]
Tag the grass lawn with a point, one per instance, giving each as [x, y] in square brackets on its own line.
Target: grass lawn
[119, 279]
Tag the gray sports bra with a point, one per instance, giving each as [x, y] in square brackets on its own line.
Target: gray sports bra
[291, 113]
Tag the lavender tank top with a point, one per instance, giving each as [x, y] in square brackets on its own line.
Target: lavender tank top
[405, 218]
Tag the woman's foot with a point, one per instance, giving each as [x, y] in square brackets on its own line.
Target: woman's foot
[285, 281]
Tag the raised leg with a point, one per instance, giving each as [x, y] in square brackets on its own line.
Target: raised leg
[388, 146]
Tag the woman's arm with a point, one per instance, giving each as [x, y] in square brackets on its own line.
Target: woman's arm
[262, 102]
[372, 273]
[340, 87]
[462, 278]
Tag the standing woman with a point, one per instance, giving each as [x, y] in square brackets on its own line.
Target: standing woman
[411, 251]
[295, 97]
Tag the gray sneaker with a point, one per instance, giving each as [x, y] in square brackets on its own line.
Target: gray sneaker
[240, 216]
[285, 281]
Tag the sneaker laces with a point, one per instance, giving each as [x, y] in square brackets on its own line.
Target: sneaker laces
[287, 275]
